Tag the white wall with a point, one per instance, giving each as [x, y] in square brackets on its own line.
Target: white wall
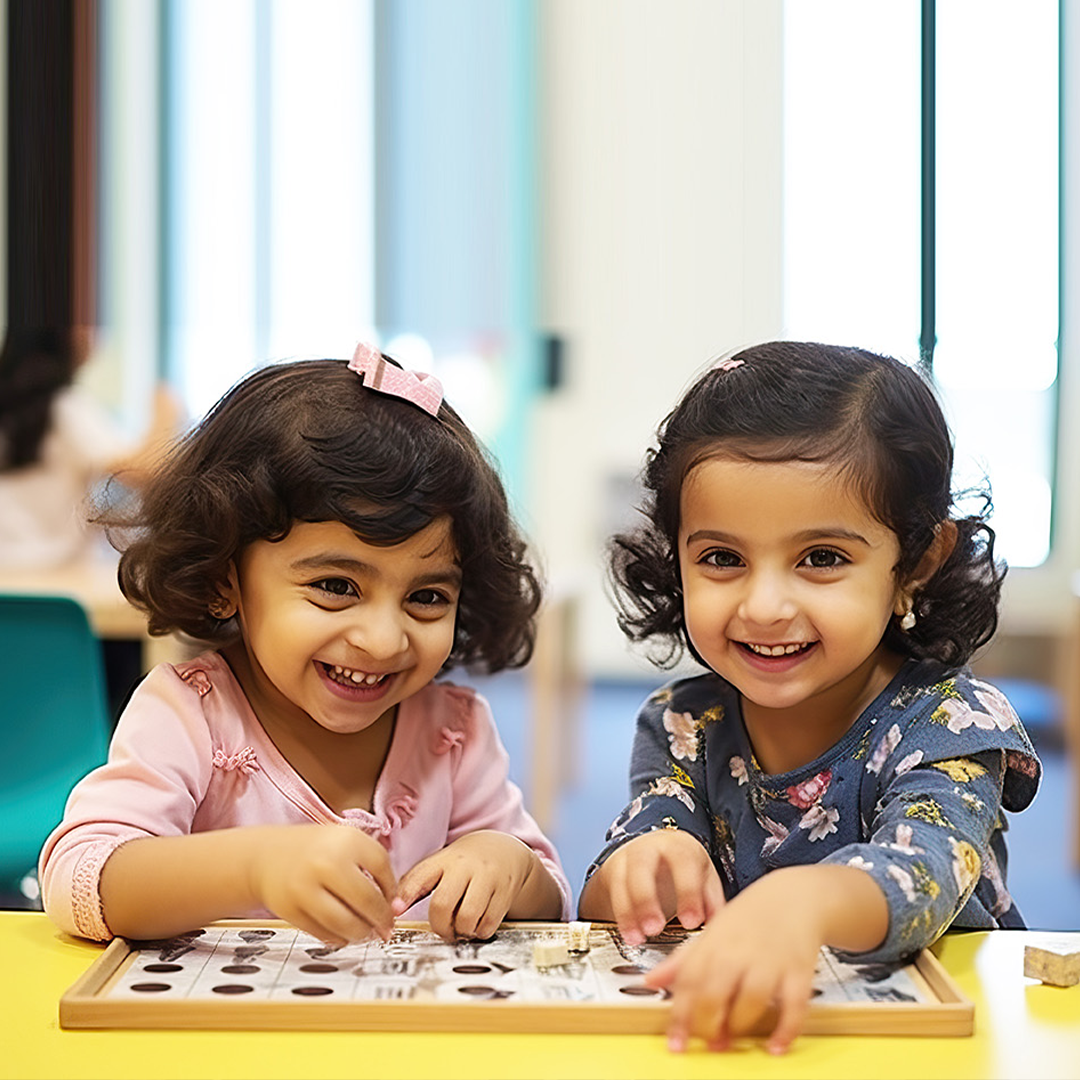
[660, 240]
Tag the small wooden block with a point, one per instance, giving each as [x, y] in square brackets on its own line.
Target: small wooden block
[1057, 964]
[550, 952]
[577, 936]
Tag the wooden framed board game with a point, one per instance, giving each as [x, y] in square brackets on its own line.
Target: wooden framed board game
[529, 977]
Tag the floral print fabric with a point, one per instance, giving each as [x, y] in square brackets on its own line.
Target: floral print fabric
[913, 794]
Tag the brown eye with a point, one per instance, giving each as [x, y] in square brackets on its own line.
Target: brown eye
[824, 559]
[722, 559]
[428, 598]
[334, 586]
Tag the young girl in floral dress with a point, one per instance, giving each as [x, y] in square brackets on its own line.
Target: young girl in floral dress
[838, 777]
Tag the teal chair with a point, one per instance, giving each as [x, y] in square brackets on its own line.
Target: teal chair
[54, 721]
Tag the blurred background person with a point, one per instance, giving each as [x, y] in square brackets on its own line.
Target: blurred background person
[56, 443]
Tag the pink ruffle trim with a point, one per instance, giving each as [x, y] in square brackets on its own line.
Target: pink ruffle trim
[447, 739]
[198, 680]
[401, 809]
[244, 761]
[85, 892]
[398, 811]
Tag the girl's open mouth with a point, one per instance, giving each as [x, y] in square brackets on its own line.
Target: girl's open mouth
[776, 657]
[349, 677]
[778, 650]
[353, 683]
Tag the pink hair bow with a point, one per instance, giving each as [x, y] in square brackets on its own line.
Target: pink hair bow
[729, 364]
[413, 386]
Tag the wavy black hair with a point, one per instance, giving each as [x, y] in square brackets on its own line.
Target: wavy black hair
[880, 422]
[306, 441]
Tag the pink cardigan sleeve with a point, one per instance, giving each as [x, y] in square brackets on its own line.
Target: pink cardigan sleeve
[484, 797]
[156, 775]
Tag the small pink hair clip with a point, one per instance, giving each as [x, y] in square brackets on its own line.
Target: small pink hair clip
[413, 386]
[729, 364]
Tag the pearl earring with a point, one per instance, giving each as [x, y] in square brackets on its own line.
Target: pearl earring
[908, 621]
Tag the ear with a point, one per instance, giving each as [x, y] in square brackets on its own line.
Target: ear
[935, 556]
[227, 602]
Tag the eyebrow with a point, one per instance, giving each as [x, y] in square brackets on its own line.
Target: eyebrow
[346, 564]
[805, 537]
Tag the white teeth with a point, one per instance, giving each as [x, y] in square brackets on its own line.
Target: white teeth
[357, 676]
[775, 650]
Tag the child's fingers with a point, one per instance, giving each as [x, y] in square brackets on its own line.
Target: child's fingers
[332, 919]
[792, 1003]
[443, 905]
[375, 863]
[714, 895]
[690, 882]
[681, 1018]
[415, 884]
[644, 904]
[635, 905]
[696, 1011]
[755, 996]
[478, 914]
[678, 1033]
[355, 889]
[491, 920]
[665, 972]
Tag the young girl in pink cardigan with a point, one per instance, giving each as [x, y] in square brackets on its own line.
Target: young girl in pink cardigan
[339, 534]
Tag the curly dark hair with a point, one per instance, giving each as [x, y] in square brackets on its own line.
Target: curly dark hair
[306, 441]
[880, 422]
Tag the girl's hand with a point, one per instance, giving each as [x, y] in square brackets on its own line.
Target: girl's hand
[471, 884]
[332, 881]
[650, 880]
[752, 955]
[759, 952]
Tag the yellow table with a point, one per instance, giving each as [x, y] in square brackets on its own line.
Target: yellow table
[1023, 1029]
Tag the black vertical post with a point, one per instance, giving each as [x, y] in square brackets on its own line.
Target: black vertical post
[40, 166]
[928, 328]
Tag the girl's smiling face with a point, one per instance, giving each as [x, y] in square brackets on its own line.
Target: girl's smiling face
[788, 585]
[339, 631]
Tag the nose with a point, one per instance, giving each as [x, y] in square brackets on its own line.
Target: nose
[378, 631]
[767, 599]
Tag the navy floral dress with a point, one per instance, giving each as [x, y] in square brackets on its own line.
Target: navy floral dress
[913, 794]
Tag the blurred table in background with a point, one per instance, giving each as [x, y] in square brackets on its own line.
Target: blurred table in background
[92, 582]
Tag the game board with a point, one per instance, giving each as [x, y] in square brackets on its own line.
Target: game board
[265, 975]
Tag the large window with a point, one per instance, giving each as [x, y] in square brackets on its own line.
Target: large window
[269, 122]
[250, 146]
[996, 268]
[921, 200]
[238, 189]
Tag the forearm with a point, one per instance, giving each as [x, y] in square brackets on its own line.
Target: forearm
[595, 900]
[539, 896]
[163, 885]
[845, 905]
